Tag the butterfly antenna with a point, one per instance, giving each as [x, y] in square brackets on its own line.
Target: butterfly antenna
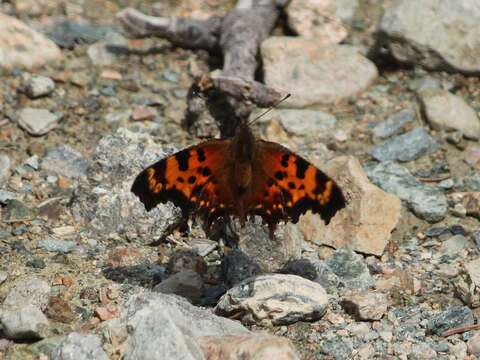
[270, 108]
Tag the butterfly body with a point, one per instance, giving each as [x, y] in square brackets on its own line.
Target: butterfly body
[239, 176]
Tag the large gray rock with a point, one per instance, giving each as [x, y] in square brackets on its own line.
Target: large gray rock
[275, 299]
[453, 317]
[438, 34]
[427, 202]
[112, 209]
[406, 147]
[445, 111]
[21, 46]
[77, 346]
[166, 327]
[28, 291]
[315, 73]
[23, 322]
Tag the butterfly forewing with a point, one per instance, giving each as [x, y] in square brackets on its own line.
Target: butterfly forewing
[287, 186]
[193, 179]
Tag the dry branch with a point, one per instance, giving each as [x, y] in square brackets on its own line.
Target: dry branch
[237, 37]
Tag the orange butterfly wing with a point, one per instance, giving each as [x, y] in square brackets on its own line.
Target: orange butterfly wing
[194, 179]
[286, 186]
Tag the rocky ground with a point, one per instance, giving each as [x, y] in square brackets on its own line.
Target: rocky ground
[386, 99]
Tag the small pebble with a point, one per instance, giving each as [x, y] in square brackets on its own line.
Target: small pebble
[39, 86]
[142, 113]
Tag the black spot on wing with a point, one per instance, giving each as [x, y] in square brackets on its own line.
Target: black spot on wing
[192, 179]
[302, 166]
[201, 155]
[206, 171]
[182, 159]
[291, 185]
[320, 179]
[280, 175]
[284, 161]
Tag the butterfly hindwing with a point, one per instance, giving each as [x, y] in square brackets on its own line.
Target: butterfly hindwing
[192, 179]
[289, 185]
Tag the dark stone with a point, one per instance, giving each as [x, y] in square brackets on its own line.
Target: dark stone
[68, 34]
[451, 318]
[300, 267]
[237, 266]
[36, 263]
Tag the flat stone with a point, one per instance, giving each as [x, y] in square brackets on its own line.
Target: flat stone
[247, 346]
[427, 33]
[394, 125]
[312, 73]
[28, 291]
[68, 33]
[59, 246]
[312, 122]
[143, 113]
[316, 19]
[274, 299]
[65, 161]
[449, 112]
[453, 317]
[21, 46]
[38, 86]
[407, 147]
[17, 211]
[187, 284]
[368, 220]
[37, 122]
[454, 245]
[366, 305]
[4, 168]
[77, 346]
[23, 323]
[472, 157]
[203, 247]
[427, 202]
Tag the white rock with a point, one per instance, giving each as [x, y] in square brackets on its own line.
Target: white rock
[437, 34]
[367, 305]
[445, 111]
[316, 19]
[21, 46]
[275, 299]
[39, 86]
[80, 347]
[314, 73]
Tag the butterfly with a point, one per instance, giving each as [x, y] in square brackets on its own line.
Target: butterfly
[240, 176]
